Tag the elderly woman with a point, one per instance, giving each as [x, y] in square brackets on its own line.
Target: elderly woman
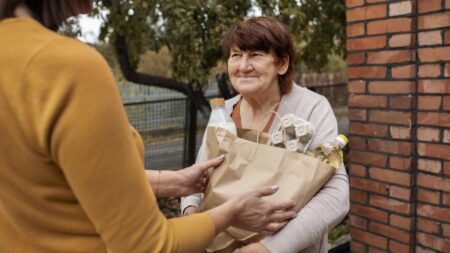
[260, 55]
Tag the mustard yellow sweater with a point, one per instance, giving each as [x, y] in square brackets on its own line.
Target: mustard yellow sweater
[71, 177]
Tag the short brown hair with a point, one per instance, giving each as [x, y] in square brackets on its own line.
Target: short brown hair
[264, 34]
[50, 13]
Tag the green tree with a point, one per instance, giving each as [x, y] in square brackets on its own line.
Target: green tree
[317, 26]
[156, 63]
[192, 31]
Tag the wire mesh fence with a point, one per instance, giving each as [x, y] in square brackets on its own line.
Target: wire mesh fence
[162, 124]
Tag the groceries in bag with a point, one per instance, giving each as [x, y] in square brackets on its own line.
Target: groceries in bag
[219, 117]
[331, 152]
[296, 134]
[293, 133]
[250, 163]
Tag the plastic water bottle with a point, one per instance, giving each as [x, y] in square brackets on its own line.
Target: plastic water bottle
[219, 117]
[331, 152]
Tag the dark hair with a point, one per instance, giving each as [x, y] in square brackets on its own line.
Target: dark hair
[50, 13]
[263, 34]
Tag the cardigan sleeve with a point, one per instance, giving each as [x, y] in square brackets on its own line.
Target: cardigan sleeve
[83, 127]
[327, 208]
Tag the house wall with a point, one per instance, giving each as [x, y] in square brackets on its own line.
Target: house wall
[399, 111]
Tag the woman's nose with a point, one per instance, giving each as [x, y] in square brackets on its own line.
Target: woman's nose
[245, 64]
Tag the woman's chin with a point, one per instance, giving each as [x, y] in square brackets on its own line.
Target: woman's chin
[247, 90]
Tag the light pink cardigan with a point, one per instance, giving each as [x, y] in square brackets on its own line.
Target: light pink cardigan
[308, 231]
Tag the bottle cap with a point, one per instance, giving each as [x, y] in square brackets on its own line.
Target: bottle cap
[216, 102]
[342, 139]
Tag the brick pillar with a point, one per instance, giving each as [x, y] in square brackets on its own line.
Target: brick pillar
[399, 110]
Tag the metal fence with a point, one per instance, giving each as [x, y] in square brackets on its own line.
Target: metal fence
[162, 125]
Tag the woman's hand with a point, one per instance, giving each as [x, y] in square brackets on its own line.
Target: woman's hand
[194, 179]
[183, 182]
[252, 248]
[256, 214]
[250, 212]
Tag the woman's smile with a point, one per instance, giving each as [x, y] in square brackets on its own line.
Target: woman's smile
[247, 77]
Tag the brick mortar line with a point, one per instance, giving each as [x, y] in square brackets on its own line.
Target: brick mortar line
[400, 185]
[403, 48]
[412, 15]
[414, 116]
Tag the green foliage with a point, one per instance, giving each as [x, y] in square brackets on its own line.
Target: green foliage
[193, 30]
[70, 28]
[317, 26]
[337, 232]
[156, 63]
[335, 63]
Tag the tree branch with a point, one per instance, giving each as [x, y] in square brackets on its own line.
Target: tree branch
[132, 75]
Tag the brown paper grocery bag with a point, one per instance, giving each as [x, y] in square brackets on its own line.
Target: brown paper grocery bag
[249, 165]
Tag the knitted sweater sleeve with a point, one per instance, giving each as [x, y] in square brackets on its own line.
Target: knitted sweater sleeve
[327, 208]
[83, 126]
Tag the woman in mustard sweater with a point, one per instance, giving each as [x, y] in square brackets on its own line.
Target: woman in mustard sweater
[71, 174]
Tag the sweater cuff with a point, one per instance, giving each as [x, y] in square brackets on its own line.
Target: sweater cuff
[194, 200]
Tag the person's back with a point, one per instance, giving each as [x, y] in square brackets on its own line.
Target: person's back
[32, 187]
[71, 177]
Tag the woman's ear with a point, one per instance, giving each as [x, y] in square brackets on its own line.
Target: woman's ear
[283, 65]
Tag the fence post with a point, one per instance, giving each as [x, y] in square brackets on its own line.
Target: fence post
[190, 136]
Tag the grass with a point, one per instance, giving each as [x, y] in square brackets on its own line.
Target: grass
[338, 231]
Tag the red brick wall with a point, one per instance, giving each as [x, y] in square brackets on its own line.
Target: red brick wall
[399, 110]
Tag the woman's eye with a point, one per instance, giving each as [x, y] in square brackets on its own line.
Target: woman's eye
[258, 54]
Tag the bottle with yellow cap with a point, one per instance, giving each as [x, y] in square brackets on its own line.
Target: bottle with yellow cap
[331, 152]
[219, 117]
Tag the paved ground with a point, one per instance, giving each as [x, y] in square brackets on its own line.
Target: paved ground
[167, 154]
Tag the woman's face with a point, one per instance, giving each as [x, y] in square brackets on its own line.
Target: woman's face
[254, 72]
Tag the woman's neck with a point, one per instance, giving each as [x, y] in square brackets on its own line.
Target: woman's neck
[255, 108]
[260, 105]
[263, 100]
